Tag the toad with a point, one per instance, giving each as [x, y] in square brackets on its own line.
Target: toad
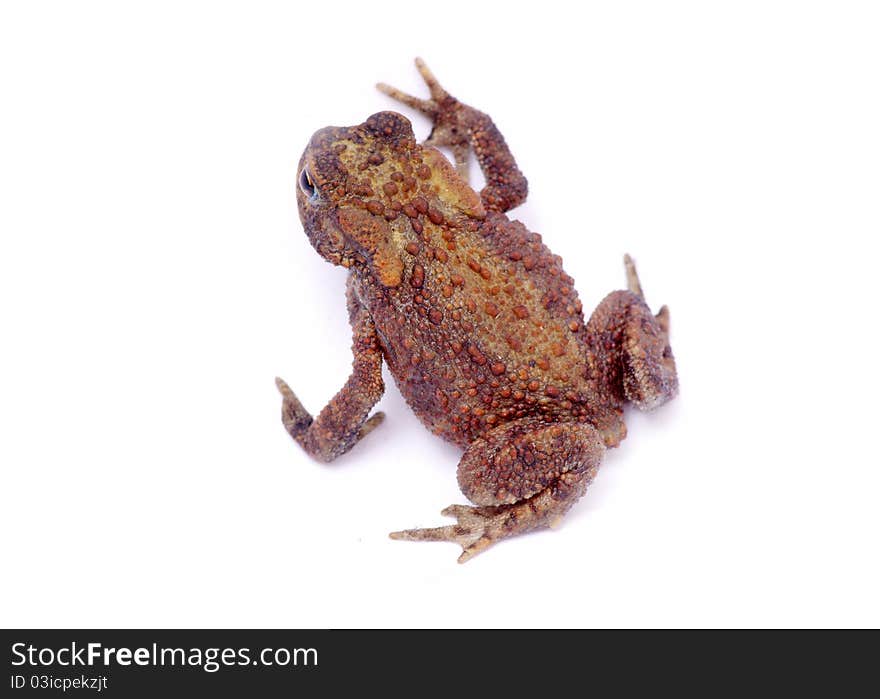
[477, 320]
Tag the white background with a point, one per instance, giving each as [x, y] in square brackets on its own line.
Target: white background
[155, 278]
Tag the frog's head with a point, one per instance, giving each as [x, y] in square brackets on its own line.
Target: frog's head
[351, 184]
[365, 192]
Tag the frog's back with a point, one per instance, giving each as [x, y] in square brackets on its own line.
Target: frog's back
[484, 327]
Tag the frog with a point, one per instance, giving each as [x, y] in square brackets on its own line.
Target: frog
[475, 318]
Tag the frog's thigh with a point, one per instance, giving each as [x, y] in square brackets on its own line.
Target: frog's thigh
[520, 459]
[632, 349]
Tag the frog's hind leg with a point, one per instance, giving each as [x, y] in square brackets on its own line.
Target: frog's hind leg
[629, 347]
[462, 129]
[522, 476]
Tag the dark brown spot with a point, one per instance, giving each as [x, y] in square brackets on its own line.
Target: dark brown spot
[476, 355]
[420, 204]
[418, 276]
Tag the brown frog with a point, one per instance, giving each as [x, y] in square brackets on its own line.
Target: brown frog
[477, 320]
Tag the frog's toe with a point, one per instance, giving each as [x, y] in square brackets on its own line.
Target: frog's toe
[438, 94]
[431, 106]
[428, 107]
[472, 532]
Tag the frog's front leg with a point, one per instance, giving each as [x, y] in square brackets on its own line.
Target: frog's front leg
[463, 128]
[522, 475]
[344, 421]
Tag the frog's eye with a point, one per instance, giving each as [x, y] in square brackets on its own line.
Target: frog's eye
[306, 184]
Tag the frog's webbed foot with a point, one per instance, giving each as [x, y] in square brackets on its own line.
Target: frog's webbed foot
[445, 112]
[634, 285]
[477, 529]
[429, 107]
